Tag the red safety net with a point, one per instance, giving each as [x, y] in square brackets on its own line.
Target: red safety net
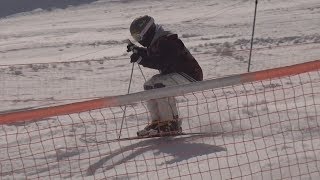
[269, 130]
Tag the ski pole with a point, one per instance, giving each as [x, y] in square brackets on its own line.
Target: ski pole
[252, 36]
[144, 77]
[125, 107]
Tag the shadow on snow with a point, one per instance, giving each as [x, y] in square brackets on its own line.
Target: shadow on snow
[178, 148]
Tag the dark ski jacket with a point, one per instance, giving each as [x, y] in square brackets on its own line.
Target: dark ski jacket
[168, 54]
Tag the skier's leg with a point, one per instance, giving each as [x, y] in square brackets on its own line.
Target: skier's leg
[152, 104]
[159, 81]
[163, 111]
[153, 109]
[167, 107]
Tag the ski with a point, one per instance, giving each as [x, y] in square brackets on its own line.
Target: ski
[160, 135]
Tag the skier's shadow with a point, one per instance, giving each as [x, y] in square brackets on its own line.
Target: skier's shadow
[179, 149]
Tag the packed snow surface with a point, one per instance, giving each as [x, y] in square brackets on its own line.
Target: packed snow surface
[66, 52]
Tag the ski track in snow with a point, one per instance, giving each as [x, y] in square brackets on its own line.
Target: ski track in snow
[218, 34]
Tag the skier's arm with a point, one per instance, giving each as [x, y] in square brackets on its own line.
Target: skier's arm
[170, 49]
[152, 62]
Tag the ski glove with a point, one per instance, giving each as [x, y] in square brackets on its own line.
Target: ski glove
[135, 57]
[132, 47]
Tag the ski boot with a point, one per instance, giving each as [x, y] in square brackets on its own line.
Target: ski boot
[158, 127]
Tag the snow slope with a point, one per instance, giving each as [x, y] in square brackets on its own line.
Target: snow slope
[9, 7]
[90, 41]
[216, 32]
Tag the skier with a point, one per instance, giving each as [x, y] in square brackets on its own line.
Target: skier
[164, 51]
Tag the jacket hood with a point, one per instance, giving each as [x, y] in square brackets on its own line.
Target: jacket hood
[159, 33]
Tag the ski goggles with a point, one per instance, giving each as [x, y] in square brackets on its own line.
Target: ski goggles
[140, 36]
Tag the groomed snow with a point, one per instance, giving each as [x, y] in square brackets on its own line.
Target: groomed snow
[90, 41]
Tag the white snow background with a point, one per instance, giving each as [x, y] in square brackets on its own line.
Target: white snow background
[57, 54]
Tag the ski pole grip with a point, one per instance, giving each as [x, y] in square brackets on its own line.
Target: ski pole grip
[131, 47]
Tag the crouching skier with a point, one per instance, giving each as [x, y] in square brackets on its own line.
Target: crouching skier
[165, 52]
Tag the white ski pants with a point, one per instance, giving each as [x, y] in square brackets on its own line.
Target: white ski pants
[165, 109]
